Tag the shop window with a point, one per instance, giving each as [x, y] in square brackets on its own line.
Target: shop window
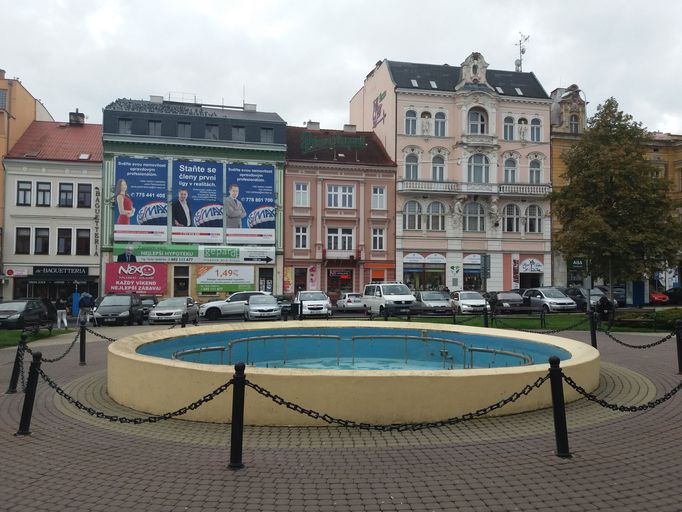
[300, 279]
[180, 281]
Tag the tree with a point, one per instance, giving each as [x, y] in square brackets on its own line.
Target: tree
[614, 208]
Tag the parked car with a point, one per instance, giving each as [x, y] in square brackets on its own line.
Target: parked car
[235, 304]
[312, 303]
[579, 296]
[394, 297]
[505, 302]
[172, 310]
[549, 300]
[658, 298]
[24, 314]
[432, 303]
[263, 307]
[148, 302]
[350, 302]
[619, 294]
[118, 309]
[674, 295]
[284, 302]
[469, 303]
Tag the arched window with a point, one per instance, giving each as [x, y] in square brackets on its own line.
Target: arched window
[535, 172]
[438, 168]
[478, 121]
[473, 217]
[411, 167]
[535, 130]
[435, 217]
[412, 215]
[510, 170]
[523, 128]
[533, 219]
[479, 169]
[440, 124]
[508, 128]
[512, 216]
[573, 124]
[410, 122]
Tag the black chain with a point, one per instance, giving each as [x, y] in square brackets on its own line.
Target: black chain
[400, 427]
[534, 331]
[135, 421]
[648, 345]
[54, 360]
[21, 367]
[105, 338]
[172, 326]
[622, 408]
[468, 320]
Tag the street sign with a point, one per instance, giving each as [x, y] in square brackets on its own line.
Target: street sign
[579, 263]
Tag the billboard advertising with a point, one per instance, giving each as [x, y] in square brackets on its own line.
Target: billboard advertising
[250, 204]
[142, 278]
[225, 278]
[197, 205]
[140, 208]
[191, 253]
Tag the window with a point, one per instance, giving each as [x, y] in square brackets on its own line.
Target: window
[410, 122]
[84, 195]
[66, 195]
[239, 133]
[411, 167]
[512, 215]
[340, 239]
[438, 168]
[301, 237]
[339, 196]
[22, 241]
[212, 132]
[301, 194]
[42, 241]
[435, 217]
[508, 128]
[535, 172]
[185, 130]
[479, 169]
[267, 135]
[473, 217]
[412, 215]
[43, 193]
[125, 126]
[533, 219]
[3, 99]
[83, 242]
[24, 193]
[523, 129]
[535, 130]
[379, 198]
[426, 123]
[510, 170]
[440, 124]
[63, 241]
[573, 124]
[154, 128]
[477, 121]
[378, 239]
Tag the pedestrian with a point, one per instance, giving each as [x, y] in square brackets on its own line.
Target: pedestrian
[85, 305]
[60, 304]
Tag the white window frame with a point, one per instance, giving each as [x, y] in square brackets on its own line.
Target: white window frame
[535, 171]
[475, 168]
[41, 195]
[440, 124]
[26, 193]
[533, 219]
[508, 128]
[378, 239]
[340, 239]
[477, 121]
[301, 194]
[535, 130]
[412, 216]
[435, 216]
[512, 218]
[510, 170]
[378, 197]
[474, 217]
[300, 237]
[438, 168]
[340, 196]
[411, 122]
[412, 167]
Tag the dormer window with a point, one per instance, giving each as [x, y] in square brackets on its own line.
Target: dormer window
[573, 124]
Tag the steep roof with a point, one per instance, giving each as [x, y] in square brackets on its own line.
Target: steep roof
[445, 77]
[47, 140]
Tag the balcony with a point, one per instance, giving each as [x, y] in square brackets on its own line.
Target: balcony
[449, 187]
[525, 189]
[479, 141]
[427, 186]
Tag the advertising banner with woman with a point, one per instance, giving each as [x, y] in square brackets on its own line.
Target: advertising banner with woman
[140, 208]
[250, 204]
[197, 205]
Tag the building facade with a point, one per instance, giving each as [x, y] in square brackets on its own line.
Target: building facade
[192, 198]
[339, 206]
[472, 148]
[53, 175]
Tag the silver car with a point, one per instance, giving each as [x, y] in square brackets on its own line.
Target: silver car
[171, 311]
[263, 307]
[549, 300]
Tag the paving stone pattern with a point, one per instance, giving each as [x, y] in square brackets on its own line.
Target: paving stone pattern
[73, 462]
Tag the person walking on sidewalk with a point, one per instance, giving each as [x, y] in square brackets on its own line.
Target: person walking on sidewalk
[60, 304]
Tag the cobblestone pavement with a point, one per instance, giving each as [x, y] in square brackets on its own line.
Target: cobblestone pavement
[73, 462]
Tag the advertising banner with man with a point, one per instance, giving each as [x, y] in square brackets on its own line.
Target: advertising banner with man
[197, 206]
[141, 278]
[250, 204]
[225, 278]
[140, 208]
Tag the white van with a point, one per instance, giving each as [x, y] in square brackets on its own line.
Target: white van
[393, 297]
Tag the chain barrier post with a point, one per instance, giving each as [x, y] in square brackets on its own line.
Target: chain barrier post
[678, 329]
[454, 316]
[385, 314]
[82, 342]
[559, 408]
[237, 427]
[30, 396]
[485, 316]
[183, 320]
[593, 328]
[543, 319]
[18, 362]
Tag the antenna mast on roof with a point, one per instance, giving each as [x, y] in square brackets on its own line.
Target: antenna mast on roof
[522, 50]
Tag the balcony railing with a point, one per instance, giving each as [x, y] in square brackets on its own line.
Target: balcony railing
[516, 189]
[525, 189]
[427, 186]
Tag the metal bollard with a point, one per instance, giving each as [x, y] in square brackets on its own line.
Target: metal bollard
[454, 316]
[385, 314]
[237, 427]
[183, 320]
[30, 396]
[18, 362]
[82, 343]
[485, 317]
[559, 408]
[593, 328]
[678, 328]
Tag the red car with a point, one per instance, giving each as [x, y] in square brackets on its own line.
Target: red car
[658, 298]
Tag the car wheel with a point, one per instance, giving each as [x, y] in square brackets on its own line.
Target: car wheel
[140, 320]
[131, 320]
[545, 308]
[196, 319]
[213, 314]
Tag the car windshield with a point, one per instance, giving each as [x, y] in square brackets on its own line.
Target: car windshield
[353, 295]
[396, 289]
[553, 293]
[594, 291]
[14, 306]
[433, 296]
[115, 300]
[509, 296]
[147, 302]
[470, 295]
[262, 299]
[313, 296]
[176, 302]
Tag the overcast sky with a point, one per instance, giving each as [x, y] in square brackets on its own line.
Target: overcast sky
[306, 59]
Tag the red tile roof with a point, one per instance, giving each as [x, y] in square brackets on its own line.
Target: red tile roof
[45, 140]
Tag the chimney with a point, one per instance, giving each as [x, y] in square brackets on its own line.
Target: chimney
[349, 128]
[155, 98]
[2, 74]
[250, 107]
[76, 118]
[312, 125]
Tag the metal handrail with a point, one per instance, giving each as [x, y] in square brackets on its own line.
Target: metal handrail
[524, 357]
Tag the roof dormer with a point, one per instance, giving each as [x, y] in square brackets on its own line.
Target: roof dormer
[474, 70]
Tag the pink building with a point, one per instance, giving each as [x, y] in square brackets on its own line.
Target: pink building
[339, 210]
[471, 146]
